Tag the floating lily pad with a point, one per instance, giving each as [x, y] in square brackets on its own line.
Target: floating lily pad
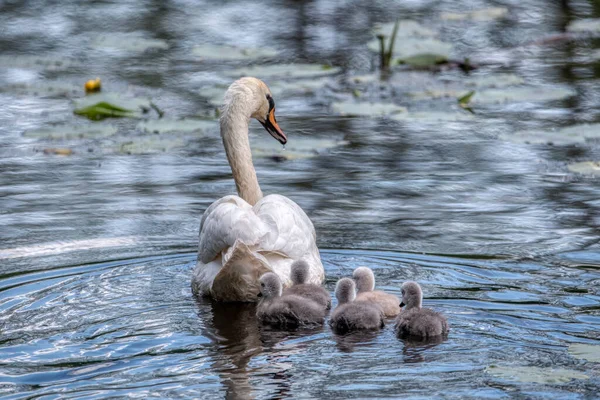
[438, 94]
[591, 25]
[586, 168]
[364, 109]
[494, 81]
[534, 374]
[304, 86]
[423, 60]
[216, 94]
[43, 63]
[486, 14]
[406, 28]
[161, 126]
[150, 145]
[433, 116]
[284, 71]
[46, 89]
[110, 105]
[88, 131]
[414, 44]
[407, 48]
[589, 352]
[128, 42]
[296, 148]
[363, 79]
[522, 94]
[216, 52]
[563, 136]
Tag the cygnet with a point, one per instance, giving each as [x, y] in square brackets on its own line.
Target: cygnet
[414, 321]
[365, 283]
[352, 315]
[287, 311]
[299, 276]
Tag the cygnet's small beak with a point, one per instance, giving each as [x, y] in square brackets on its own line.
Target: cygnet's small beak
[402, 304]
[271, 126]
[259, 294]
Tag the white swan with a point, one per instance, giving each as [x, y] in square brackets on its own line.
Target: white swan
[241, 238]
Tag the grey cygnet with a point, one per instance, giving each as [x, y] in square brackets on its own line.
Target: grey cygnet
[299, 276]
[289, 311]
[353, 315]
[414, 321]
[365, 282]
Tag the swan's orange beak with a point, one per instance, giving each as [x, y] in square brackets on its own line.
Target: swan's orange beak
[273, 128]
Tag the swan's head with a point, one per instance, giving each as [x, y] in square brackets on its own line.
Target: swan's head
[345, 290]
[412, 295]
[253, 97]
[364, 278]
[270, 286]
[299, 272]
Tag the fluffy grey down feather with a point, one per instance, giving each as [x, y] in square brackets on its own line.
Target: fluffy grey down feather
[421, 322]
[356, 315]
[290, 311]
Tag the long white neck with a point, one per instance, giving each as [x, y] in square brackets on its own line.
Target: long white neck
[234, 131]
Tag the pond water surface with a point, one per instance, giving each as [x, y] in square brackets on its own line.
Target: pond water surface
[97, 247]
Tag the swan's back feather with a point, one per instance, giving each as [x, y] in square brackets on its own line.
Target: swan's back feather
[225, 221]
[276, 230]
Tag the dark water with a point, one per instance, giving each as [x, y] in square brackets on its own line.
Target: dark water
[96, 248]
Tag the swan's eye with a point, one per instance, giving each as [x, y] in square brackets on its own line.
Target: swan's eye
[271, 102]
[402, 292]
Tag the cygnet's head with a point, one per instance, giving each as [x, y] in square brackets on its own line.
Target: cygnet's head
[251, 97]
[412, 295]
[299, 272]
[364, 278]
[270, 286]
[345, 290]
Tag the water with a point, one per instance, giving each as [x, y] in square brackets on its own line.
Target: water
[96, 248]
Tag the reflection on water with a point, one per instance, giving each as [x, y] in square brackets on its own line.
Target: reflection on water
[133, 326]
[96, 248]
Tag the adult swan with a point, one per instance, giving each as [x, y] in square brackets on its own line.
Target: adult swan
[241, 238]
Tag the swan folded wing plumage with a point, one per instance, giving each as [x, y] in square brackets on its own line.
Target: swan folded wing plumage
[291, 231]
[225, 221]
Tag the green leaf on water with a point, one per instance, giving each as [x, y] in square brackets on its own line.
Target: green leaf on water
[424, 60]
[466, 99]
[110, 105]
[103, 110]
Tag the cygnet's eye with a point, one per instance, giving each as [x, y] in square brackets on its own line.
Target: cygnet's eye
[262, 285]
[402, 292]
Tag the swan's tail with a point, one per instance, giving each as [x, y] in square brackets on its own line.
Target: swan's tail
[238, 278]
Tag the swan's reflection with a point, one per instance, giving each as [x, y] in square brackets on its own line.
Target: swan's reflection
[235, 331]
[414, 347]
[239, 338]
[347, 342]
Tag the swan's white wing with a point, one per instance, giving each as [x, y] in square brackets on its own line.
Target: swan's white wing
[225, 221]
[291, 231]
